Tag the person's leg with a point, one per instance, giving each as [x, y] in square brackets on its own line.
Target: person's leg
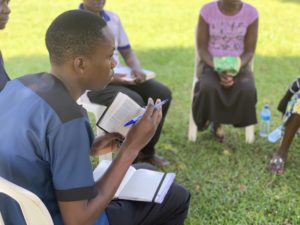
[206, 100]
[291, 127]
[173, 210]
[140, 95]
[155, 90]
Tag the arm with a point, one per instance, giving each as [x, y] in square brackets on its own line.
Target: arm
[250, 43]
[294, 87]
[87, 211]
[202, 37]
[132, 61]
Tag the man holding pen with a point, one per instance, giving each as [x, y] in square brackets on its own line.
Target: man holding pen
[139, 89]
[46, 147]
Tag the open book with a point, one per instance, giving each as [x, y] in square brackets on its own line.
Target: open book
[140, 184]
[122, 109]
[129, 77]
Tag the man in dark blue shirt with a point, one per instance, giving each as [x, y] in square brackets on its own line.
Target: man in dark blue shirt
[46, 138]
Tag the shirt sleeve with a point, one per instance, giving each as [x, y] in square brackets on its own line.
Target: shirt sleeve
[205, 12]
[123, 41]
[252, 14]
[69, 146]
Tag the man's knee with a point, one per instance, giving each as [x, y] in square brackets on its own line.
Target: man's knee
[167, 93]
[163, 92]
[179, 197]
[136, 97]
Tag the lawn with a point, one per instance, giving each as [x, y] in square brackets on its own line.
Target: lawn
[228, 182]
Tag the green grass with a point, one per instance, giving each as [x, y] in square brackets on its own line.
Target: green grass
[228, 182]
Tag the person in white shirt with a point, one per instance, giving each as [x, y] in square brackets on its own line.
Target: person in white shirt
[140, 89]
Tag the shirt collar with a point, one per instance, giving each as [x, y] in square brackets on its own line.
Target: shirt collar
[102, 13]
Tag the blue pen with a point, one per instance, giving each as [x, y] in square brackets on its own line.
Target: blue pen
[135, 119]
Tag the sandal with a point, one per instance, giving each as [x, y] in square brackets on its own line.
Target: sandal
[218, 132]
[276, 165]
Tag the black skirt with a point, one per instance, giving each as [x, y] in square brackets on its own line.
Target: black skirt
[214, 103]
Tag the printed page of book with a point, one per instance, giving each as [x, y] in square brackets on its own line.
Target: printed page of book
[142, 185]
[129, 77]
[103, 166]
[119, 112]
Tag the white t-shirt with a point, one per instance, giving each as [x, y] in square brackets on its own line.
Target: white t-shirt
[121, 39]
[114, 23]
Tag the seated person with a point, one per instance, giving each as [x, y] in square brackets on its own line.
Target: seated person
[46, 148]
[225, 28]
[4, 13]
[140, 89]
[290, 107]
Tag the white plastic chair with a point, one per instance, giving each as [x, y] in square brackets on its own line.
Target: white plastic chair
[33, 209]
[97, 110]
[193, 130]
[1, 220]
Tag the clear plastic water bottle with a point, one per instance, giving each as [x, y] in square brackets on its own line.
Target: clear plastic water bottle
[265, 117]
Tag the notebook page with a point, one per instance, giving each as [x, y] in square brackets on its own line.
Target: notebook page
[168, 181]
[142, 185]
[103, 166]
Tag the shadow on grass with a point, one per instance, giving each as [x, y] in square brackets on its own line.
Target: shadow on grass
[175, 67]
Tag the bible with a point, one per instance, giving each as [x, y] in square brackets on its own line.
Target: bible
[121, 110]
[140, 184]
[127, 71]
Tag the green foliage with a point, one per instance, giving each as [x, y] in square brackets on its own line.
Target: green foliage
[228, 182]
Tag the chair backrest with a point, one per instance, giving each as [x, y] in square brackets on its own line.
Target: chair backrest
[1, 220]
[97, 110]
[33, 209]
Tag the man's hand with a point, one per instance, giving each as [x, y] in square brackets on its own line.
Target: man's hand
[142, 132]
[118, 79]
[106, 143]
[139, 75]
[226, 80]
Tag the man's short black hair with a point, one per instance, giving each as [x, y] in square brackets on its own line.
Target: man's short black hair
[73, 33]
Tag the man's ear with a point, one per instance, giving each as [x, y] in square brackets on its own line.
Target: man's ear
[80, 65]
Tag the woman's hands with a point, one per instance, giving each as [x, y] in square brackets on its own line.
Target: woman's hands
[226, 80]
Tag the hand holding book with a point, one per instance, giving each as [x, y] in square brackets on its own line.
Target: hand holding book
[122, 110]
[125, 74]
[137, 118]
[228, 65]
[106, 143]
[142, 132]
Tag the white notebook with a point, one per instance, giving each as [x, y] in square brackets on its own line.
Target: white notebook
[126, 70]
[140, 184]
